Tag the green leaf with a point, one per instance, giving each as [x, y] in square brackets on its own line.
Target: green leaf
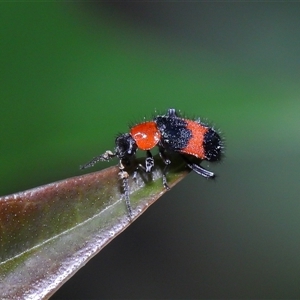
[49, 232]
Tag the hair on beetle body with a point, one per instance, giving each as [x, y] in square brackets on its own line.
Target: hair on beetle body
[170, 133]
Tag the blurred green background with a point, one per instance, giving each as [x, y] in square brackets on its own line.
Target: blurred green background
[73, 75]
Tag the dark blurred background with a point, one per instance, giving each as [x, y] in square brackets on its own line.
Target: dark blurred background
[75, 74]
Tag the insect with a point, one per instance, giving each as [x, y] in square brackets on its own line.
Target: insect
[170, 133]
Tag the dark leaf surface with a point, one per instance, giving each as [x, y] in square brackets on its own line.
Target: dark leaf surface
[49, 232]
